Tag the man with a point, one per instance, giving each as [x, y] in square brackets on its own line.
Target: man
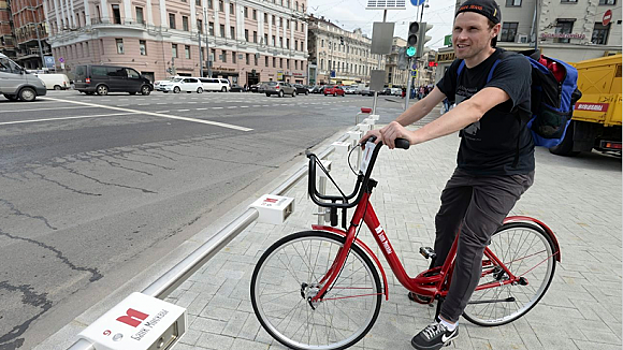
[495, 159]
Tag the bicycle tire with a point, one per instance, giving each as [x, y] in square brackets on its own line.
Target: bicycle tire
[545, 266]
[263, 281]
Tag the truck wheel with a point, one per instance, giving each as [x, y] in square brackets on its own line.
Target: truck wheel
[565, 148]
[27, 94]
[102, 90]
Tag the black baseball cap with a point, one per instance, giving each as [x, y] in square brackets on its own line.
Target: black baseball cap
[487, 8]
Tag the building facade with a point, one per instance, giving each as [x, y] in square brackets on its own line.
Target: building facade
[394, 62]
[23, 32]
[346, 53]
[571, 30]
[248, 41]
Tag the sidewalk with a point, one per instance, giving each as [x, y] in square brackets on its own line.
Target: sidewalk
[579, 198]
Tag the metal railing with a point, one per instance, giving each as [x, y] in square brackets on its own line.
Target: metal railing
[173, 278]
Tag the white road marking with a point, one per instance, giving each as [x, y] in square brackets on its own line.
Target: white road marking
[36, 110]
[62, 118]
[232, 107]
[167, 111]
[201, 121]
[217, 107]
[244, 106]
[202, 109]
[161, 103]
[183, 110]
[143, 104]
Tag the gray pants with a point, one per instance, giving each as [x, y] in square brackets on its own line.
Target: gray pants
[476, 205]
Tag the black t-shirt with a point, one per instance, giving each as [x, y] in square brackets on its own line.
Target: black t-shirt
[499, 143]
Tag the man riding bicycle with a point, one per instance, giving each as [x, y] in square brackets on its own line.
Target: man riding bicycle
[495, 158]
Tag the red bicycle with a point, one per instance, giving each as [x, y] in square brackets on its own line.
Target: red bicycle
[321, 289]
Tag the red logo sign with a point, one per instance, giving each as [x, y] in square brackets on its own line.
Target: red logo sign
[270, 200]
[607, 17]
[133, 318]
[591, 107]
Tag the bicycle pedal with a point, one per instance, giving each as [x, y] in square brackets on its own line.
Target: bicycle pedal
[428, 252]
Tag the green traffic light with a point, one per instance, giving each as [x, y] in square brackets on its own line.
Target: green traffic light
[411, 51]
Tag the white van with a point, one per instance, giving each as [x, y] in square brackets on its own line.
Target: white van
[17, 84]
[215, 84]
[55, 81]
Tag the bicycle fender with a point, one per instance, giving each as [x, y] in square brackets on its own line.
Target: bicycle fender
[361, 245]
[542, 225]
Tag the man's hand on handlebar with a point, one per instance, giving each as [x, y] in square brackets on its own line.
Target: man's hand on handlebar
[389, 134]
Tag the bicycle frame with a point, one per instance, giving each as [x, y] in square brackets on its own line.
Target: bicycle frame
[432, 283]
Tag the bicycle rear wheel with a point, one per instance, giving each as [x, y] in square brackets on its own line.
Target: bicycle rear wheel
[528, 252]
[288, 275]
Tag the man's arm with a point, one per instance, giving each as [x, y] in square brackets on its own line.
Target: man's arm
[462, 115]
[420, 109]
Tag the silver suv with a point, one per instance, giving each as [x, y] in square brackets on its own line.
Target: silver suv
[279, 88]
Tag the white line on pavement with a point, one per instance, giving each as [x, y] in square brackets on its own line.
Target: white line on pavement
[208, 122]
[167, 111]
[36, 110]
[232, 107]
[183, 110]
[62, 118]
[201, 109]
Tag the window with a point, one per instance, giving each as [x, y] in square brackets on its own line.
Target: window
[139, 15]
[232, 32]
[86, 49]
[296, 25]
[222, 30]
[119, 46]
[274, 41]
[211, 28]
[266, 61]
[274, 62]
[265, 39]
[171, 20]
[287, 64]
[265, 18]
[513, 3]
[280, 22]
[210, 4]
[274, 20]
[296, 65]
[174, 50]
[288, 3]
[322, 43]
[231, 9]
[221, 7]
[600, 34]
[200, 26]
[246, 35]
[255, 36]
[246, 12]
[287, 43]
[142, 46]
[509, 30]
[607, 2]
[187, 51]
[281, 63]
[280, 41]
[185, 23]
[233, 57]
[563, 26]
[255, 14]
[247, 61]
[197, 2]
[296, 5]
[224, 56]
[296, 45]
[255, 57]
[116, 13]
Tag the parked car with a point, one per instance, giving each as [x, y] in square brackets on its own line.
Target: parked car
[334, 90]
[359, 87]
[55, 81]
[158, 82]
[352, 90]
[17, 84]
[396, 91]
[92, 78]
[317, 89]
[236, 88]
[386, 91]
[301, 89]
[254, 87]
[179, 84]
[367, 92]
[279, 88]
[215, 84]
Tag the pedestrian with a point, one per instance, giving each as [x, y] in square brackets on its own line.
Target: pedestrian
[495, 156]
[404, 92]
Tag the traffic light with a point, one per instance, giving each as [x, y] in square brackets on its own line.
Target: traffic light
[423, 38]
[341, 40]
[412, 39]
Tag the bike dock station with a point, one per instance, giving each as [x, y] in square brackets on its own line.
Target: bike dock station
[212, 285]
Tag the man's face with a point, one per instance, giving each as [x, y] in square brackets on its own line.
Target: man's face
[471, 34]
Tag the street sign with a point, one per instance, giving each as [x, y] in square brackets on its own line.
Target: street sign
[61, 60]
[607, 17]
[447, 40]
[332, 74]
[414, 66]
[417, 2]
[49, 61]
[414, 73]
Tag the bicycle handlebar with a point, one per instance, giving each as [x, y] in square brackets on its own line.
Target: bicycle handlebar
[362, 179]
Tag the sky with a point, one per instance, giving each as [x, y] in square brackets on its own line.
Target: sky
[352, 14]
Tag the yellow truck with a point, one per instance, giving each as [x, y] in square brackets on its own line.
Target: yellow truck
[596, 122]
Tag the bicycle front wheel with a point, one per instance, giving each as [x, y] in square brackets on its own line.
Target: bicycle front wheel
[528, 252]
[291, 272]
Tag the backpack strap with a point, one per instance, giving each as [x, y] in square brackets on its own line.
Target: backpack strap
[495, 64]
[459, 70]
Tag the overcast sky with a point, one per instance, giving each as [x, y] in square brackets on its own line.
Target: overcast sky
[351, 14]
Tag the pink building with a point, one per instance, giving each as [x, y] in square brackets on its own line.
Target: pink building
[249, 40]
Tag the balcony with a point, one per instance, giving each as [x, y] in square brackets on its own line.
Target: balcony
[32, 52]
[118, 21]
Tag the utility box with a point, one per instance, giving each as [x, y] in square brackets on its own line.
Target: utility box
[139, 322]
[273, 209]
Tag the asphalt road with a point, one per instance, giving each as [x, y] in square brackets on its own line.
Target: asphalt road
[95, 189]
